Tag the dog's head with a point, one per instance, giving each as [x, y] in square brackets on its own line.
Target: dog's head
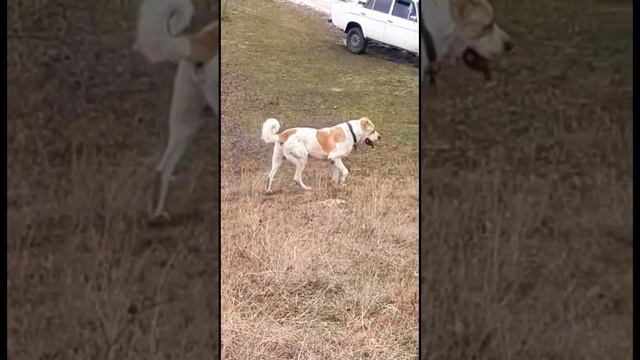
[461, 29]
[476, 29]
[369, 133]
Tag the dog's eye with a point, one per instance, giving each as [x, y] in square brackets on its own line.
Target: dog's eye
[199, 64]
[487, 28]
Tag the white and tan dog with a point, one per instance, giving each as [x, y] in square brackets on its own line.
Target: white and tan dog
[196, 83]
[453, 29]
[331, 143]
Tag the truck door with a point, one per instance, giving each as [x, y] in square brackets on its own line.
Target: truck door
[374, 16]
[402, 28]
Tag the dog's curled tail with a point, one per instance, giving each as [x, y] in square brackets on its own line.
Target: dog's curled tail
[270, 129]
[159, 23]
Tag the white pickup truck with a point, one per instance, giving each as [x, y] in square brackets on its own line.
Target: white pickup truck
[390, 22]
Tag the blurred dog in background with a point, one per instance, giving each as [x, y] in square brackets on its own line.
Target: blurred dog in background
[453, 29]
[160, 37]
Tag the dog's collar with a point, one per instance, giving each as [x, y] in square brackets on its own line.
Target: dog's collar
[432, 54]
[353, 135]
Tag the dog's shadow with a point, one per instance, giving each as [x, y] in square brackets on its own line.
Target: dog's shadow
[320, 189]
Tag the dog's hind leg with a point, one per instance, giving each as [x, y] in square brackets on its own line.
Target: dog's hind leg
[211, 85]
[180, 137]
[300, 164]
[184, 121]
[276, 162]
[298, 157]
[296, 153]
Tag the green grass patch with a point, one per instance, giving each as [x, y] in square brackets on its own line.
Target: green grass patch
[292, 66]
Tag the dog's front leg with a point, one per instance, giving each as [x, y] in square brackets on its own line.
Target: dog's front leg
[342, 169]
[335, 171]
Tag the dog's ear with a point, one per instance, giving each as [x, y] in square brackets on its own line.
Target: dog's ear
[471, 11]
[458, 9]
[367, 125]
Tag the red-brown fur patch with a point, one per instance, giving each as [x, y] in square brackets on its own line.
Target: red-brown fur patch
[329, 138]
[204, 44]
[284, 136]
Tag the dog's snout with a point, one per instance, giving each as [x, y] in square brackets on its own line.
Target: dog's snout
[508, 46]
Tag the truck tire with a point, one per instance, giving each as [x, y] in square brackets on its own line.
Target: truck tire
[356, 42]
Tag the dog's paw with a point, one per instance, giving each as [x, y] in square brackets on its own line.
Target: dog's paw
[490, 84]
[159, 217]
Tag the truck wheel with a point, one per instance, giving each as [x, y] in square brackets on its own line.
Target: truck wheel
[356, 42]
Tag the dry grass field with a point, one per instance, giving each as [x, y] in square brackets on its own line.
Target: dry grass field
[330, 273]
[88, 278]
[527, 249]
